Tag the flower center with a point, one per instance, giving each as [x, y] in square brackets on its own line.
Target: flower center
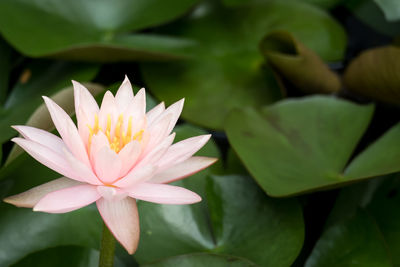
[118, 138]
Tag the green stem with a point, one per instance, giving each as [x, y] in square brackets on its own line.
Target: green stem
[107, 248]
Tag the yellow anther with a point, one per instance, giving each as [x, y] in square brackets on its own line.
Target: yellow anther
[138, 136]
[120, 138]
[129, 131]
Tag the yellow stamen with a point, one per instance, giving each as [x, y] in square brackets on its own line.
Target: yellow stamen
[120, 138]
[138, 136]
[93, 131]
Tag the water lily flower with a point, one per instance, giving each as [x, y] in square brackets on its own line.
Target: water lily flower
[117, 154]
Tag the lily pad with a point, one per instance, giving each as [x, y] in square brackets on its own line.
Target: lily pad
[391, 9]
[227, 69]
[94, 31]
[24, 231]
[298, 64]
[320, 3]
[235, 218]
[374, 74]
[369, 13]
[353, 242]
[5, 68]
[39, 78]
[375, 203]
[77, 257]
[202, 259]
[297, 146]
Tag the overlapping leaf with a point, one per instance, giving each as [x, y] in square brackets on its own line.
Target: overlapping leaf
[92, 30]
[242, 221]
[302, 145]
[363, 227]
[227, 69]
[202, 259]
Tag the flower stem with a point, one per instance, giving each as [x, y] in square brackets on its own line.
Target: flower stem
[107, 248]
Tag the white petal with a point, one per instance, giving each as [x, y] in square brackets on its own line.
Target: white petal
[124, 95]
[30, 198]
[182, 150]
[47, 157]
[135, 176]
[68, 199]
[67, 131]
[107, 165]
[164, 194]
[42, 137]
[154, 113]
[122, 218]
[128, 155]
[182, 170]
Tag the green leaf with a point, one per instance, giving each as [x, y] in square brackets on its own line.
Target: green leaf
[227, 69]
[384, 208]
[379, 158]
[237, 210]
[369, 13]
[64, 256]
[202, 259]
[373, 202]
[320, 3]
[298, 64]
[391, 9]
[24, 231]
[92, 30]
[5, 68]
[373, 74]
[43, 78]
[296, 146]
[353, 242]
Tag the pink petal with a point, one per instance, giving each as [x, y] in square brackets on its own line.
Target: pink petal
[182, 170]
[158, 132]
[47, 157]
[136, 110]
[108, 109]
[182, 150]
[99, 141]
[68, 199]
[30, 198]
[67, 130]
[124, 95]
[175, 110]
[84, 100]
[83, 122]
[157, 153]
[84, 173]
[111, 193]
[107, 165]
[135, 176]
[128, 156]
[122, 218]
[163, 194]
[153, 114]
[42, 137]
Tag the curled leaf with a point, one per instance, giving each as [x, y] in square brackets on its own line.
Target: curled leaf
[375, 74]
[298, 64]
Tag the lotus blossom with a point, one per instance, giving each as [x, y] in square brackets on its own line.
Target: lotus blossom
[117, 154]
